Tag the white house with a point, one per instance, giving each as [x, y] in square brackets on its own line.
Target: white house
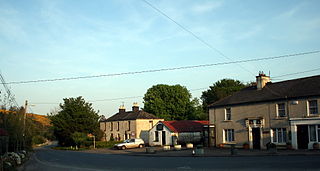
[178, 132]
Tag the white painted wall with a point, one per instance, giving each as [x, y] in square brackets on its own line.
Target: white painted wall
[152, 141]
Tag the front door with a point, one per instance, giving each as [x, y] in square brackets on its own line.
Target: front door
[163, 137]
[256, 138]
[302, 136]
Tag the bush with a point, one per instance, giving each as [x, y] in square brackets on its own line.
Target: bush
[38, 139]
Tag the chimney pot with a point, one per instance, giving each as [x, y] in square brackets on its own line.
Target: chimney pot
[122, 109]
[135, 107]
[262, 80]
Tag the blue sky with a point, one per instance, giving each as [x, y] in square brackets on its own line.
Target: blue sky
[44, 39]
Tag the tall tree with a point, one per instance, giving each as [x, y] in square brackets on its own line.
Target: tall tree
[168, 102]
[75, 115]
[219, 90]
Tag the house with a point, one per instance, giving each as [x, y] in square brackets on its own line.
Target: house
[178, 132]
[128, 124]
[281, 112]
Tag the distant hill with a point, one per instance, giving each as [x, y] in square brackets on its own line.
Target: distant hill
[44, 120]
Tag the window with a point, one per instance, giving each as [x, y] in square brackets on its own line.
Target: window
[156, 136]
[118, 126]
[129, 125]
[313, 106]
[111, 126]
[229, 135]
[228, 114]
[281, 109]
[312, 133]
[279, 135]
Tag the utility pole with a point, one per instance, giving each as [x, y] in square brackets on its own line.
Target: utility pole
[24, 123]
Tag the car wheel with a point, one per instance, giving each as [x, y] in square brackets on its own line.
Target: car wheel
[140, 146]
[123, 147]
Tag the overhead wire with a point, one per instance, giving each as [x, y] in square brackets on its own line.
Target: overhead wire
[164, 69]
[193, 34]
[295, 73]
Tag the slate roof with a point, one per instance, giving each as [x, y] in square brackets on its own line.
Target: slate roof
[130, 115]
[290, 89]
[185, 126]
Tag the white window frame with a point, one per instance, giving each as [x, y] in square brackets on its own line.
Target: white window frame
[317, 131]
[226, 114]
[275, 134]
[285, 111]
[226, 135]
[308, 107]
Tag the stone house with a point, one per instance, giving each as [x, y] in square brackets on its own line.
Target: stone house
[128, 124]
[281, 112]
[178, 132]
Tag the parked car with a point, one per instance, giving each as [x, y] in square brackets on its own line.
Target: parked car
[130, 143]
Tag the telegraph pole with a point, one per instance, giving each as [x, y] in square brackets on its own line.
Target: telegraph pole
[24, 123]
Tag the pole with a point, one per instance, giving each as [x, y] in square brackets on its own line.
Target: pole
[94, 142]
[24, 124]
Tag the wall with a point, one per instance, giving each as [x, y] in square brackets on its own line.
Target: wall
[168, 135]
[267, 111]
[143, 126]
[121, 133]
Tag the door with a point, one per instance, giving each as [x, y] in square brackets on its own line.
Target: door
[164, 138]
[256, 137]
[302, 136]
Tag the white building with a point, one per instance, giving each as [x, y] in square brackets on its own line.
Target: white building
[178, 132]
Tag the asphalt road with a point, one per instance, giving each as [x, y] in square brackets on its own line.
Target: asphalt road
[52, 160]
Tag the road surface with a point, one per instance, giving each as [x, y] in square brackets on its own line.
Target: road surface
[52, 160]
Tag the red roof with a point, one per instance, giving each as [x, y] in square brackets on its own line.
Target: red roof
[185, 126]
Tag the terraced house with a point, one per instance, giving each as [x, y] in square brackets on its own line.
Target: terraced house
[283, 113]
[128, 124]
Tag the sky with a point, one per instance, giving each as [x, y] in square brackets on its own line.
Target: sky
[45, 39]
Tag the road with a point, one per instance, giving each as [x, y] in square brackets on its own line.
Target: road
[52, 160]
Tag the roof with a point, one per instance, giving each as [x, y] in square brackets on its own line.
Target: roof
[185, 126]
[290, 89]
[130, 115]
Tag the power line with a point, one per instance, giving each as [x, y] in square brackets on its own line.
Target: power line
[193, 34]
[165, 69]
[301, 72]
[196, 89]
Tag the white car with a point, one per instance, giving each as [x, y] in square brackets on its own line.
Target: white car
[130, 143]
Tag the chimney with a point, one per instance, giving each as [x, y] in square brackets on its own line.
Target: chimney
[135, 107]
[262, 80]
[122, 109]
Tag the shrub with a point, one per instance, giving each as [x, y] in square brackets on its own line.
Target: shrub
[38, 139]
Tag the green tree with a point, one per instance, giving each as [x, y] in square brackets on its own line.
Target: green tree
[169, 102]
[75, 115]
[219, 90]
[79, 138]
